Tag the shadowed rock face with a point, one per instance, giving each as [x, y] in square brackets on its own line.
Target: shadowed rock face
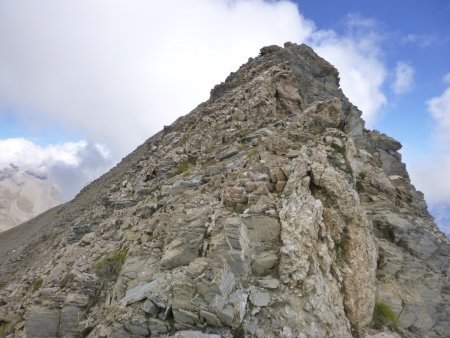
[267, 211]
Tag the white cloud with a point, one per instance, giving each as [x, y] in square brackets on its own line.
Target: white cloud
[69, 165]
[119, 70]
[447, 78]
[433, 179]
[116, 72]
[432, 176]
[362, 73]
[422, 40]
[404, 78]
[439, 107]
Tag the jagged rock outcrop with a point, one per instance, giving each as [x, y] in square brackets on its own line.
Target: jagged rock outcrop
[24, 195]
[268, 211]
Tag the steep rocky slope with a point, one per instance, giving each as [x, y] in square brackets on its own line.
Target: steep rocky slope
[268, 211]
[23, 195]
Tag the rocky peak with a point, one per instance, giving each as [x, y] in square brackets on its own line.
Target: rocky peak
[268, 211]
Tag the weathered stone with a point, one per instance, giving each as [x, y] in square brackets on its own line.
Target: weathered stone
[263, 228]
[157, 326]
[178, 253]
[210, 318]
[227, 153]
[260, 298]
[193, 334]
[42, 322]
[143, 291]
[264, 263]
[138, 326]
[136, 294]
[235, 195]
[149, 307]
[184, 317]
[269, 283]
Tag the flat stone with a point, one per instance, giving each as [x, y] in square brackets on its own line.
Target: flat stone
[151, 308]
[184, 317]
[260, 298]
[141, 291]
[263, 228]
[178, 253]
[227, 153]
[69, 320]
[136, 294]
[42, 322]
[193, 334]
[269, 283]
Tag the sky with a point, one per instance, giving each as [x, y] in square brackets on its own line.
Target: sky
[83, 83]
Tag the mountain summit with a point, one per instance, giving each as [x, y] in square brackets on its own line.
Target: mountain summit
[268, 211]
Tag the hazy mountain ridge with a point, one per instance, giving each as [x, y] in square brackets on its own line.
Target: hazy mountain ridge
[268, 211]
[23, 195]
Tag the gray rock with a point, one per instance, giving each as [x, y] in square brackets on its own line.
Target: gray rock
[260, 298]
[184, 317]
[269, 283]
[42, 322]
[227, 153]
[143, 291]
[193, 334]
[264, 263]
[149, 307]
[157, 326]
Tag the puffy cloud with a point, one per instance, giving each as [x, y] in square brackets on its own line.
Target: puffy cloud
[404, 78]
[69, 165]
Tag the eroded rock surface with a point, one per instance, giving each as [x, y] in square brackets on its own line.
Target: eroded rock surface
[268, 211]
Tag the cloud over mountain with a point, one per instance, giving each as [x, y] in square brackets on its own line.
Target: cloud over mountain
[116, 72]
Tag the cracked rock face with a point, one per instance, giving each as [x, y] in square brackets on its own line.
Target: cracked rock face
[268, 211]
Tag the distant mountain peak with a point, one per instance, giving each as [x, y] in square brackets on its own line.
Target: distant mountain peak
[23, 195]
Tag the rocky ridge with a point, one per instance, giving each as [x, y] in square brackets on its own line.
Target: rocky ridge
[268, 211]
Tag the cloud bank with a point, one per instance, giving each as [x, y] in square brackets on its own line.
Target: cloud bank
[115, 72]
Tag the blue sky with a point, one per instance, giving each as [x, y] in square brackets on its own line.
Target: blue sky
[415, 31]
[82, 83]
